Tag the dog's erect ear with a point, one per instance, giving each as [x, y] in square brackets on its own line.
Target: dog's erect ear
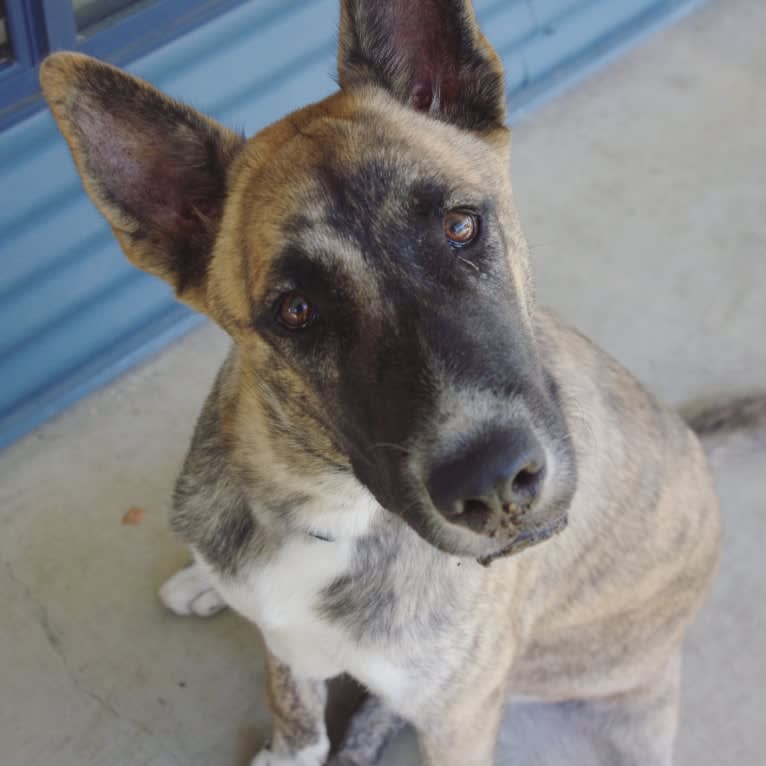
[156, 169]
[429, 54]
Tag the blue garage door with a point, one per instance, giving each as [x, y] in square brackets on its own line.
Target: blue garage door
[73, 312]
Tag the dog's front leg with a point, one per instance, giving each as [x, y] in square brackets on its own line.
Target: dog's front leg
[463, 733]
[299, 736]
[370, 730]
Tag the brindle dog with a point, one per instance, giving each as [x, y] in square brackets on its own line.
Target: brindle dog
[397, 421]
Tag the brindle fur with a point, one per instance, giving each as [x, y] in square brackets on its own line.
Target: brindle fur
[306, 438]
[297, 707]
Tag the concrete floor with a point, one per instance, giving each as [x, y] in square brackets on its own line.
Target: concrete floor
[643, 192]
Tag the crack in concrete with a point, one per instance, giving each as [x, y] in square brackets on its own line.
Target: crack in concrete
[41, 610]
[54, 641]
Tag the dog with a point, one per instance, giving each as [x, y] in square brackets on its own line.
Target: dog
[406, 471]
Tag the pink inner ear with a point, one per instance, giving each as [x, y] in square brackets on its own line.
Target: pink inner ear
[427, 42]
[137, 171]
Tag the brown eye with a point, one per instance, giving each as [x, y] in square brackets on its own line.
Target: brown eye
[460, 227]
[295, 312]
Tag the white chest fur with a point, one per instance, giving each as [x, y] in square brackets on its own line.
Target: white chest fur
[283, 598]
[282, 595]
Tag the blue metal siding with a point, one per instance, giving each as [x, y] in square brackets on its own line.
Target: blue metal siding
[73, 312]
[18, 77]
[571, 28]
[38, 27]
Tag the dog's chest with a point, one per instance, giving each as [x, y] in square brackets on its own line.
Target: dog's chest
[285, 598]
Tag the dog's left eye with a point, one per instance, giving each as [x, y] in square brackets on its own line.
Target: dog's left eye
[461, 227]
[294, 311]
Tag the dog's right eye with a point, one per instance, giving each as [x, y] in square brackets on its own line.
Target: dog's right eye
[461, 228]
[294, 311]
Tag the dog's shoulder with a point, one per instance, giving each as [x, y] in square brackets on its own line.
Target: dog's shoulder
[636, 457]
[211, 509]
[598, 393]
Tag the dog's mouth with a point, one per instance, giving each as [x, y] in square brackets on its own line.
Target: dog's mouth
[526, 538]
[485, 546]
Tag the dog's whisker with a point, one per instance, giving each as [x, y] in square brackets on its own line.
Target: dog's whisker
[390, 445]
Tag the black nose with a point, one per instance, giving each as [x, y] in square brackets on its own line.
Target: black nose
[500, 473]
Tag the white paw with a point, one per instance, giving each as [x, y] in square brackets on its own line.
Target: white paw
[189, 592]
[314, 755]
[265, 758]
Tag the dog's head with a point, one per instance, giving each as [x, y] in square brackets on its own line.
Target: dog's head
[366, 257]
